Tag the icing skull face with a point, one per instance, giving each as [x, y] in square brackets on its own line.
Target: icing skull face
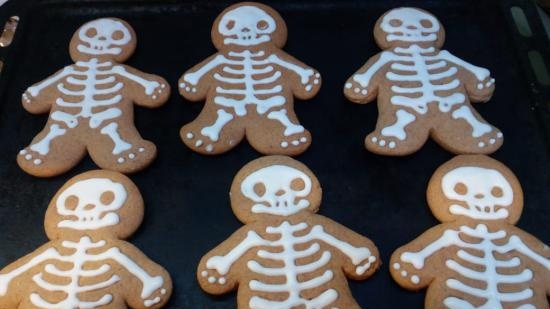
[246, 26]
[92, 204]
[278, 190]
[486, 192]
[103, 37]
[410, 25]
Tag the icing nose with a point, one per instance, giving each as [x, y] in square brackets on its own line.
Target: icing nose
[245, 29]
[102, 38]
[280, 192]
[479, 196]
[412, 27]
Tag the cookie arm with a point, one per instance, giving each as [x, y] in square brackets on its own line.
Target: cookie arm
[146, 90]
[305, 80]
[413, 265]
[22, 267]
[195, 83]
[216, 272]
[153, 282]
[478, 81]
[530, 247]
[39, 97]
[362, 86]
[362, 257]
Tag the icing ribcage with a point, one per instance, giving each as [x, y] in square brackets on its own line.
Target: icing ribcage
[316, 270]
[248, 78]
[75, 274]
[420, 79]
[90, 85]
[495, 272]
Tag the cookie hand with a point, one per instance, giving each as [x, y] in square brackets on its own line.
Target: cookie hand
[213, 276]
[27, 97]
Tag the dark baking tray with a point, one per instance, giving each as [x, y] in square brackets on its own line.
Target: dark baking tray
[186, 194]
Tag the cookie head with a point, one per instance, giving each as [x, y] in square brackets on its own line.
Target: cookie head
[403, 27]
[101, 202]
[248, 24]
[477, 188]
[106, 38]
[274, 186]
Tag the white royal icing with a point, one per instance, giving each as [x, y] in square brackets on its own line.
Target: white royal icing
[287, 254]
[90, 212]
[496, 271]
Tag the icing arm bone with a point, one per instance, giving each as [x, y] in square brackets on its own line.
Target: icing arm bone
[155, 87]
[478, 83]
[411, 263]
[362, 260]
[153, 287]
[35, 98]
[362, 87]
[191, 85]
[31, 262]
[215, 270]
[308, 80]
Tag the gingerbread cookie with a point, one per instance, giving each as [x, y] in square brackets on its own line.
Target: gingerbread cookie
[91, 105]
[86, 263]
[422, 91]
[476, 258]
[249, 86]
[285, 256]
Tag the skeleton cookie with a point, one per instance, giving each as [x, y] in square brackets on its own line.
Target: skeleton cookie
[86, 264]
[91, 105]
[285, 256]
[249, 86]
[476, 258]
[422, 90]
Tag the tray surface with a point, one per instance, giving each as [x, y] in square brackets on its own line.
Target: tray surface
[186, 194]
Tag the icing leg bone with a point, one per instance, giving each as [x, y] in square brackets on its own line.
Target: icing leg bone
[120, 145]
[43, 147]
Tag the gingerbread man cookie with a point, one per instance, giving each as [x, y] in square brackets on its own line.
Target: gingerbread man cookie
[285, 256]
[476, 258]
[91, 105]
[249, 86]
[86, 263]
[422, 91]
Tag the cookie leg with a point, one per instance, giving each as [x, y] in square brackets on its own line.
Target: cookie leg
[280, 133]
[399, 134]
[215, 131]
[118, 146]
[53, 151]
[465, 131]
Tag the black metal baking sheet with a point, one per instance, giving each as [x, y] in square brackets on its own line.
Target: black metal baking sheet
[186, 194]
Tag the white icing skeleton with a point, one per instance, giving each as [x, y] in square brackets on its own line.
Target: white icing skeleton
[91, 92]
[418, 76]
[498, 253]
[250, 70]
[70, 260]
[284, 192]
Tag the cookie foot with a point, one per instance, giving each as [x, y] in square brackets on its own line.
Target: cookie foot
[199, 142]
[383, 142]
[490, 140]
[31, 156]
[132, 155]
[294, 141]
